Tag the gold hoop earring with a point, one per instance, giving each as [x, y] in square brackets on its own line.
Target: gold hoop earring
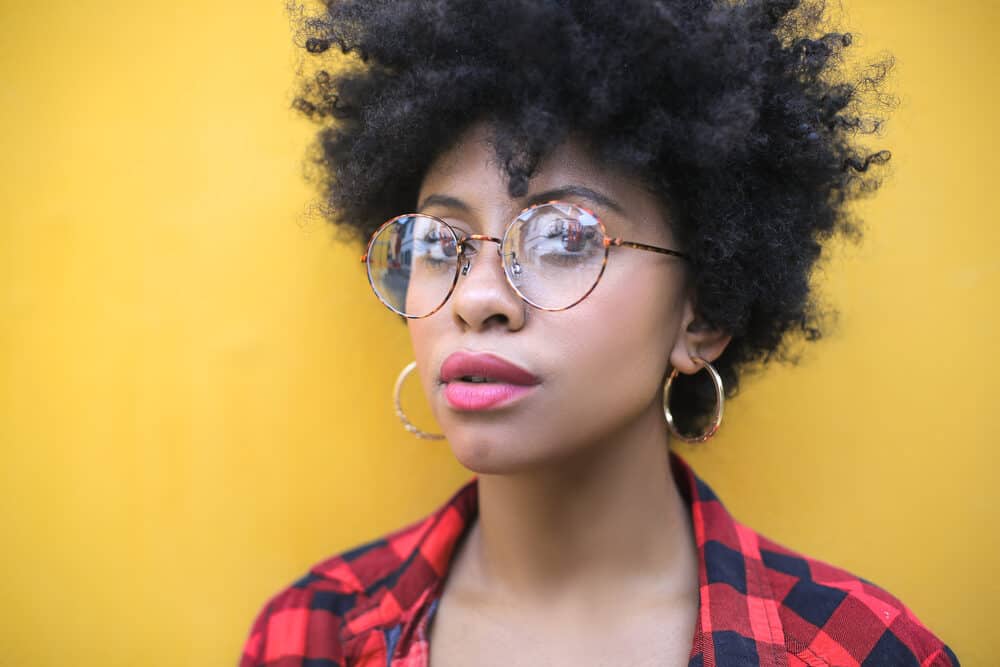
[719, 400]
[407, 424]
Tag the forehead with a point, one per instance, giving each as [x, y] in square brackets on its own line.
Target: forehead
[472, 162]
[470, 171]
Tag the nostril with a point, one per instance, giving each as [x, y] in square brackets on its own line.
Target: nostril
[498, 319]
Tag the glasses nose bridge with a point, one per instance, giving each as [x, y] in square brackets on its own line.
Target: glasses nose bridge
[466, 260]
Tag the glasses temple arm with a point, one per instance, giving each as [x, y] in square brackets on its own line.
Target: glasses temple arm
[651, 248]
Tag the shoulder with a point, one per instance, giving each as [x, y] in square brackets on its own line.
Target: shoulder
[351, 605]
[830, 616]
[337, 599]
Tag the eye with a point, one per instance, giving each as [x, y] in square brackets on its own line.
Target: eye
[434, 247]
[572, 232]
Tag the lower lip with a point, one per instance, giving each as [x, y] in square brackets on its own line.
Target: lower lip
[483, 395]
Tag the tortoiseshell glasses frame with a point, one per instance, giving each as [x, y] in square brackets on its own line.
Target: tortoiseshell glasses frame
[463, 262]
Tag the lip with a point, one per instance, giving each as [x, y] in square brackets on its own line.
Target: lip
[460, 364]
[507, 381]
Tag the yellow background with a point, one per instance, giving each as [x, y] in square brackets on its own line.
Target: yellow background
[195, 380]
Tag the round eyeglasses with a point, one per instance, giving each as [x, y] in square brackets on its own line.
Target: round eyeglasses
[553, 256]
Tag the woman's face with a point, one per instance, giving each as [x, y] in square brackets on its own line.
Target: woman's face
[599, 366]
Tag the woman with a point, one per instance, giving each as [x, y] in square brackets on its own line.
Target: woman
[657, 178]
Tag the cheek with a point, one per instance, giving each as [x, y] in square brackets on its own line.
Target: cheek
[422, 336]
[619, 342]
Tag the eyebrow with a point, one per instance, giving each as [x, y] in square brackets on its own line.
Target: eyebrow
[580, 191]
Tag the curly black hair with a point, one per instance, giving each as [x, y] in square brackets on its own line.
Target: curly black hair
[739, 115]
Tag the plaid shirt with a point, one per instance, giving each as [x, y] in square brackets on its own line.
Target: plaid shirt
[760, 603]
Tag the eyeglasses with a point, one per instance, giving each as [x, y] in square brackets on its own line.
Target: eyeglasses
[553, 256]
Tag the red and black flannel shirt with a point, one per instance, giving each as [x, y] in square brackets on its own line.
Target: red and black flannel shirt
[761, 603]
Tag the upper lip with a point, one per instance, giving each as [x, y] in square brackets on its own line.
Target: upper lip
[486, 365]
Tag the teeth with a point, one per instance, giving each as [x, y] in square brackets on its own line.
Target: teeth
[474, 378]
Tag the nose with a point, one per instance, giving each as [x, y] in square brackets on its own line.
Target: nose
[483, 298]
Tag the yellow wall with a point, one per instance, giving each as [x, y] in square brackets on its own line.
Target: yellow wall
[194, 381]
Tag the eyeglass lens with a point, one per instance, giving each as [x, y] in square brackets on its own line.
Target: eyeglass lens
[553, 255]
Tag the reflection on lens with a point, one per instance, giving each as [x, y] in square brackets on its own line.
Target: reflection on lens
[412, 264]
[554, 254]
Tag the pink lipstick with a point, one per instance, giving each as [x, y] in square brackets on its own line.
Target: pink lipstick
[479, 381]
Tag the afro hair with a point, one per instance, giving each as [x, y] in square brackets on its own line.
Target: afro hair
[740, 116]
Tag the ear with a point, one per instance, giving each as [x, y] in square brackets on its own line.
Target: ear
[696, 337]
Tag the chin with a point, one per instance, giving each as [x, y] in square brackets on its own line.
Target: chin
[488, 453]
[484, 457]
[502, 451]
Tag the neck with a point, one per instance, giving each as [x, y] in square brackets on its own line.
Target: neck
[609, 524]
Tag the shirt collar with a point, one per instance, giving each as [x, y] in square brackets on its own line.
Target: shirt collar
[738, 620]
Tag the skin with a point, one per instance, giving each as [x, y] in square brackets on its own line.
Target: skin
[583, 551]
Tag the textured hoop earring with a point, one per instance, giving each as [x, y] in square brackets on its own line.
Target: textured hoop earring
[407, 424]
[719, 400]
